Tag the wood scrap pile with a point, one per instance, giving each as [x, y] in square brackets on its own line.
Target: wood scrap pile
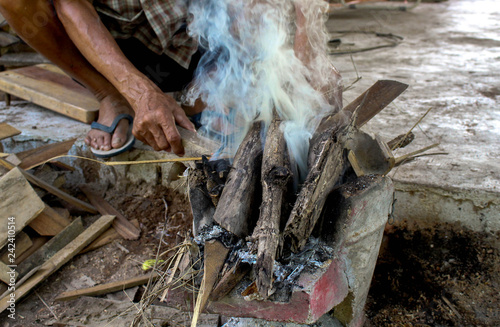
[36, 238]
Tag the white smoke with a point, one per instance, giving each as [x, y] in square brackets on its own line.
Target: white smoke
[250, 66]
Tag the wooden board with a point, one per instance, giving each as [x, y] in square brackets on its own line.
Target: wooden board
[122, 225]
[37, 243]
[7, 131]
[49, 87]
[5, 273]
[20, 203]
[53, 190]
[107, 288]
[49, 249]
[34, 157]
[59, 259]
[49, 222]
[22, 59]
[21, 245]
[7, 39]
[107, 237]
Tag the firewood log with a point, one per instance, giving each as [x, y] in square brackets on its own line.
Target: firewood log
[238, 199]
[327, 158]
[276, 174]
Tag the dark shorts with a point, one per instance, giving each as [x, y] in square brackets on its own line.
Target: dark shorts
[161, 69]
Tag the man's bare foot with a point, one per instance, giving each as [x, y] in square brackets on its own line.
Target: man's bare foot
[111, 106]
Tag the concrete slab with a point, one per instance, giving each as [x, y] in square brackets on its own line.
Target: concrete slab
[324, 321]
[449, 57]
[38, 126]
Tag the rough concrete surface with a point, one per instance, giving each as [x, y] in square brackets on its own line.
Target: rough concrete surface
[450, 58]
[324, 321]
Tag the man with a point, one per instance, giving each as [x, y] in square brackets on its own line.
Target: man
[127, 52]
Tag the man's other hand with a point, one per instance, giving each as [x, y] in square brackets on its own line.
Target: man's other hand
[156, 115]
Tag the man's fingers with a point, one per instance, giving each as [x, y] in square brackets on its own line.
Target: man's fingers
[173, 137]
[183, 121]
[146, 138]
[160, 138]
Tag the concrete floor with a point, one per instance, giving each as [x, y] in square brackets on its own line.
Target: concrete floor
[450, 57]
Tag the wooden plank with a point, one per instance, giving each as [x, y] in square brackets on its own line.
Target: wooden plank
[54, 91]
[22, 243]
[106, 288]
[20, 59]
[122, 225]
[53, 190]
[3, 288]
[49, 222]
[62, 212]
[49, 249]
[238, 200]
[20, 204]
[7, 39]
[275, 177]
[51, 74]
[107, 237]
[34, 157]
[13, 159]
[38, 242]
[7, 131]
[6, 273]
[59, 259]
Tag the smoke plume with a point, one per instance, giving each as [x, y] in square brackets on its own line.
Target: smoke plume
[260, 55]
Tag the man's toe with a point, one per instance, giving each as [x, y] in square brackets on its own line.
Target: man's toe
[120, 135]
[105, 142]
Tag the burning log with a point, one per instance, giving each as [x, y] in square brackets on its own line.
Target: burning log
[323, 176]
[327, 158]
[238, 199]
[201, 204]
[367, 105]
[276, 175]
[205, 187]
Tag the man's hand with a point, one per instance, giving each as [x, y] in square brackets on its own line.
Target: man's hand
[155, 117]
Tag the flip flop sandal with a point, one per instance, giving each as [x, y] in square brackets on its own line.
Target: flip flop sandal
[110, 130]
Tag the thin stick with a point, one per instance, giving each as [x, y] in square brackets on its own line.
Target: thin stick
[416, 124]
[451, 306]
[399, 160]
[358, 78]
[46, 305]
[118, 163]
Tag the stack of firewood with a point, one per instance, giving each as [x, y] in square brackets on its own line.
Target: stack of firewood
[253, 198]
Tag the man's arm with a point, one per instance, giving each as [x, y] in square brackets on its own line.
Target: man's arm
[155, 113]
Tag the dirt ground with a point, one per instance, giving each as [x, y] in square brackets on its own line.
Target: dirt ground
[445, 276]
[116, 261]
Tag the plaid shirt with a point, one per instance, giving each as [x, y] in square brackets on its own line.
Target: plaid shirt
[159, 24]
